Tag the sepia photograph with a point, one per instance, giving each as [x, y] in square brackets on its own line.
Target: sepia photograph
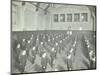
[52, 37]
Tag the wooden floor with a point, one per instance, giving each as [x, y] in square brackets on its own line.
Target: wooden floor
[70, 51]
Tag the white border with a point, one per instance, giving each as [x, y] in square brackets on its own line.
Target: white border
[5, 37]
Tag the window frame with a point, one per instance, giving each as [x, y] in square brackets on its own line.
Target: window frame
[56, 19]
[76, 17]
[62, 17]
[69, 17]
[85, 17]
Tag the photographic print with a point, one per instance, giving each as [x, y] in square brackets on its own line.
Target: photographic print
[52, 37]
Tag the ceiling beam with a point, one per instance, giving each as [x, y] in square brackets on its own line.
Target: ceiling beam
[47, 7]
[38, 6]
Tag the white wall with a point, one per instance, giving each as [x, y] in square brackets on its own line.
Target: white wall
[16, 18]
[29, 19]
[74, 25]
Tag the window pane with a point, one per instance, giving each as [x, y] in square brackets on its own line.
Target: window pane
[84, 17]
[55, 17]
[62, 17]
[69, 17]
[76, 17]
